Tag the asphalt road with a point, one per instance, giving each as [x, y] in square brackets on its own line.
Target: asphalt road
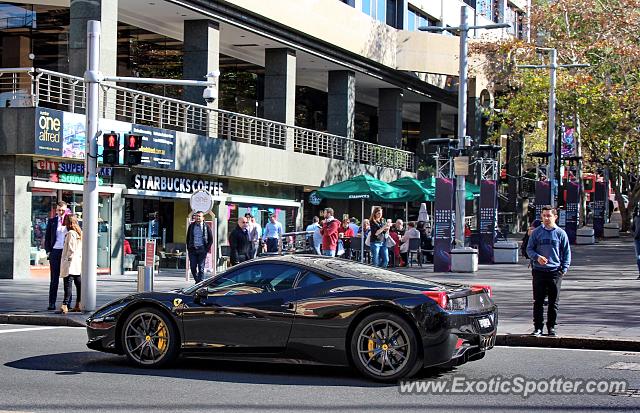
[50, 369]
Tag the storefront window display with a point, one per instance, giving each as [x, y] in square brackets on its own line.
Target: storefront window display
[43, 208]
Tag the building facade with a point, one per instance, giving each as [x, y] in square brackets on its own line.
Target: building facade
[310, 93]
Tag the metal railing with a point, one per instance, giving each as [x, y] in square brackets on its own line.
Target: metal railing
[40, 87]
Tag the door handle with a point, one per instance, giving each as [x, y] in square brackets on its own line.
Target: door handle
[288, 306]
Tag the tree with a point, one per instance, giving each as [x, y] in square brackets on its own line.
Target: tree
[604, 97]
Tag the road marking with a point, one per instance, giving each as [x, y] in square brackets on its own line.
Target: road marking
[18, 330]
[613, 352]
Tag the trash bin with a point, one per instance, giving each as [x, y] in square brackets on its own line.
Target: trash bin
[611, 230]
[505, 252]
[585, 236]
[145, 279]
[464, 260]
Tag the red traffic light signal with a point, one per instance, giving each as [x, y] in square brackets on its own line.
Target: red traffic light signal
[110, 148]
[132, 152]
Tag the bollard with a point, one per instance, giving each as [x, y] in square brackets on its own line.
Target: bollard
[464, 259]
[145, 278]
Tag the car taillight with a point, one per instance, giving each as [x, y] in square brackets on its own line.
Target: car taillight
[440, 297]
[481, 288]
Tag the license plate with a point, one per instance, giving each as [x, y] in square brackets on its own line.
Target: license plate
[484, 322]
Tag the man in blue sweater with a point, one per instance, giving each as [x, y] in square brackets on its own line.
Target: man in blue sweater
[548, 249]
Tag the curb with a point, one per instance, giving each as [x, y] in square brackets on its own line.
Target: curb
[44, 320]
[571, 342]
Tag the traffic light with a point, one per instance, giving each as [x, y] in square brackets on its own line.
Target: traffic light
[132, 152]
[110, 148]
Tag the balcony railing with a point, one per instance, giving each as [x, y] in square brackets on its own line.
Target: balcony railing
[39, 87]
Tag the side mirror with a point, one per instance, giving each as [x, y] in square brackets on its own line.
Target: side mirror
[201, 294]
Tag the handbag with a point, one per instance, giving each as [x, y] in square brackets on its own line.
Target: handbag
[340, 248]
[389, 241]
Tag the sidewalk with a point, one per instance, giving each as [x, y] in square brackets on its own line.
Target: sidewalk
[597, 302]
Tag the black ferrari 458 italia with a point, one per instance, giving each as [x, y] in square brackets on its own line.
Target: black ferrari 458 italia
[304, 308]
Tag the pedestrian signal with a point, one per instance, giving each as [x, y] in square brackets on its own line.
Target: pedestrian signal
[132, 152]
[110, 148]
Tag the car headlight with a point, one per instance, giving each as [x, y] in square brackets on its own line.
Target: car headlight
[457, 303]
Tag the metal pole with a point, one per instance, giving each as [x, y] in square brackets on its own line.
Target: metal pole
[90, 190]
[462, 125]
[363, 234]
[551, 132]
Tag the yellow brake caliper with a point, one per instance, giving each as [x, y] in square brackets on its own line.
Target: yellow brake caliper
[162, 337]
[371, 345]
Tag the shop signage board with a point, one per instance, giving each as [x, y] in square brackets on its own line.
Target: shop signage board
[62, 134]
[201, 200]
[443, 225]
[573, 200]
[152, 182]
[599, 208]
[488, 220]
[66, 172]
[149, 252]
[314, 199]
[543, 196]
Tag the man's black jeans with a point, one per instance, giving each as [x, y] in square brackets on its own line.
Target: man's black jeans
[546, 284]
[55, 260]
[197, 258]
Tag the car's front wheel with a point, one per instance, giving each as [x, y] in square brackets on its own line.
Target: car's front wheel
[384, 347]
[149, 338]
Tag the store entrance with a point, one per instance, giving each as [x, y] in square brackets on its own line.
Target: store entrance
[159, 219]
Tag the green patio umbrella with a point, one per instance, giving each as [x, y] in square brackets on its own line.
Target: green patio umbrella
[364, 187]
[471, 190]
[417, 189]
[419, 192]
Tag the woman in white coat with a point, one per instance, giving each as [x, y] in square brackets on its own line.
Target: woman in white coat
[71, 266]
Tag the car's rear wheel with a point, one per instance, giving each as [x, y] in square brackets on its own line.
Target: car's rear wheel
[384, 347]
[149, 338]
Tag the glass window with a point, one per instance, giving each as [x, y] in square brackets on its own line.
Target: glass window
[366, 6]
[42, 208]
[309, 279]
[254, 279]
[411, 21]
[381, 11]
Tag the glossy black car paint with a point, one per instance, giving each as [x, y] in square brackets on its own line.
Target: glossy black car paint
[309, 324]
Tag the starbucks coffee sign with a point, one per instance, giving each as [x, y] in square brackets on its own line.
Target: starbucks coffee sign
[148, 182]
[314, 198]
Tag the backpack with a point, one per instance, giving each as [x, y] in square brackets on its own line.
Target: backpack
[523, 247]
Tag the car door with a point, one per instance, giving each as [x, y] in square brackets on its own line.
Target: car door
[250, 309]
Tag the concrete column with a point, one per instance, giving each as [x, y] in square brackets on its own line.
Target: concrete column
[280, 88]
[201, 50]
[474, 112]
[223, 228]
[430, 127]
[341, 107]
[390, 117]
[117, 233]
[81, 11]
[15, 204]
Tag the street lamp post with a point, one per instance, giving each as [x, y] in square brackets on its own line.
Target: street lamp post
[551, 128]
[463, 30]
[92, 78]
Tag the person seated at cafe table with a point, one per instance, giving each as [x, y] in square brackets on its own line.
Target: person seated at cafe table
[345, 233]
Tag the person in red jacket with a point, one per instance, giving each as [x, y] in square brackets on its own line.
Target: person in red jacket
[329, 232]
[346, 233]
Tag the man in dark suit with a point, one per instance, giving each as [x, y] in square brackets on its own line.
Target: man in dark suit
[240, 242]
[199, 241]
[53, 244]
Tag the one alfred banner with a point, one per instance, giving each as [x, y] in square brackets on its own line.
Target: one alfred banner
[543, 196]
[599, 204]
[488, 220]
[573, 200]
[63, 134]
[443, 225]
